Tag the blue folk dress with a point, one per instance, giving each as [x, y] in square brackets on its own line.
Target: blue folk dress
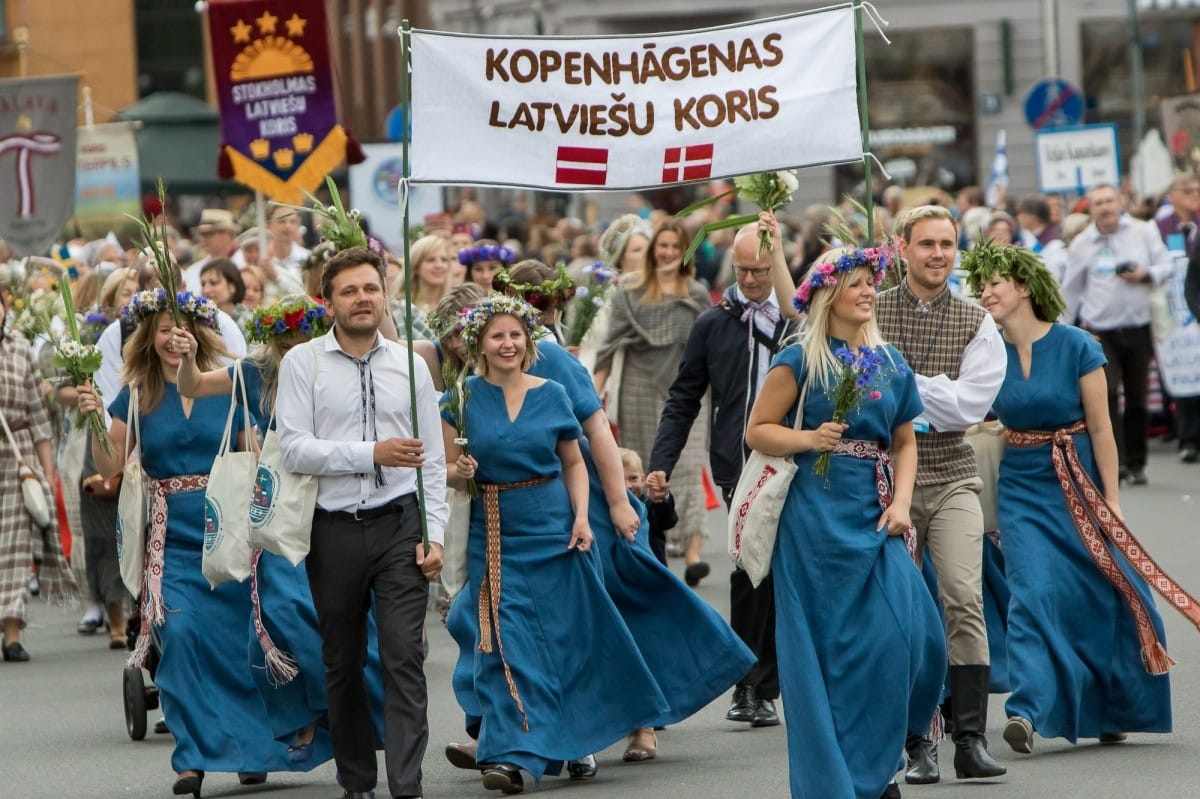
[216, 715]
[862, 652]
[693, 653]
[290, 619]
[580, 678]
[1073, 652]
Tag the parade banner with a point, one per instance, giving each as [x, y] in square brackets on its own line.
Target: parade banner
[107, 188]
[275, 92]
[37, 160]
[635, 112]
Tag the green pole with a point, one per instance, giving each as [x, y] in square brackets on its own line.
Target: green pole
[868, 200]
[406, 98]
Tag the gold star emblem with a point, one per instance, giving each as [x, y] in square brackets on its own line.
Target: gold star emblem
[24, 123]
[295, 25]
[241, 32]
[266, 23]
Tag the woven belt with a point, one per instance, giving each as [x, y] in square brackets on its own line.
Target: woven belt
[152, 607]
[1095, 522]
[884, 478]
[489, 588]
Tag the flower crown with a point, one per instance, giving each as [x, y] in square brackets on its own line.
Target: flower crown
[150, 303]
[475, 317]
[486, 252]
[279, 321]
[444, 325]
[825, 274]
[544, 295]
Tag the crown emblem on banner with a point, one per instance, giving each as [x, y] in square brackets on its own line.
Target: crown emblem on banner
[303, 142]
[260, 149]
[283, 158]
[24, 123]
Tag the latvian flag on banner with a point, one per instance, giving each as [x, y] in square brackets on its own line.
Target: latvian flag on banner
[581, 166]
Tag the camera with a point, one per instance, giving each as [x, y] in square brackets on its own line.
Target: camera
[1125, 267]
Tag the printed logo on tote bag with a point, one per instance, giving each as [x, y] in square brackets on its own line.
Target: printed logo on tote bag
[262, 499]
[212, 525]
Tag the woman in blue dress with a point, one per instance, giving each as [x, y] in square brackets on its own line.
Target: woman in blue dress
[299, 711]
[862, 653]
[556, 673]
[693, 653]
[1085, 650]
[217, 716]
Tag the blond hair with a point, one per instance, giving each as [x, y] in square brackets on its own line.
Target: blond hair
[813, 336]
[113, 284]
[920, 213]
[630, 460]
[144, 369]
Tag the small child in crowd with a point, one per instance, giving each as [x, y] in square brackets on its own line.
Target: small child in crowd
[660, 505]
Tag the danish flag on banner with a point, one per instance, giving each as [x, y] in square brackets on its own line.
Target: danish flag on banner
[582, 166]
[694, 162]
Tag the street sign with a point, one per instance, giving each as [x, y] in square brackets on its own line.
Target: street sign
[1053, 103]
[1075, 159]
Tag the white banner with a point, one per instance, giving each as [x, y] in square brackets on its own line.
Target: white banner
[1179, 355]
[629, 113]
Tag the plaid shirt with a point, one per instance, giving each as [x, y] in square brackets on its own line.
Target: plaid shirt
[21, 391]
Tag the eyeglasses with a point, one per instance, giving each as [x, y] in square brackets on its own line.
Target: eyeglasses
[758, 273]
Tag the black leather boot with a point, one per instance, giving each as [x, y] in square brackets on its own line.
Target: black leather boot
[969, 687]
[922, 761]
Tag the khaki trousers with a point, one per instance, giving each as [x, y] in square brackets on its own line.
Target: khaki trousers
[949, 521]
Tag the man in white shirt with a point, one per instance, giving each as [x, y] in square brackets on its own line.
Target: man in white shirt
[958, 358]
[1112, 266]
[366, 532]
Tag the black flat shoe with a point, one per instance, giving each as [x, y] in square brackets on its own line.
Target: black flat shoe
[693, 574]
[15, 653]
[160, 726]
[189, 784]
[252, 777]
[504, 778]
[88, 626]
[582, 769]
[1113, 738]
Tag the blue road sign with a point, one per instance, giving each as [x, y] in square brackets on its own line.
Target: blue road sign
[1053, 103]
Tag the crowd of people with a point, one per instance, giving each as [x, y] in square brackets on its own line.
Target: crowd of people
[572, 404]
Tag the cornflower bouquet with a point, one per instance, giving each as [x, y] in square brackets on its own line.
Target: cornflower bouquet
[457, 395]
[862, 371]
[589, 299]
[94, 323]
[80, 361]
[770, 191]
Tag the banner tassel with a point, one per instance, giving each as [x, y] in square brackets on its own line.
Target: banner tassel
[354, 150]
[224, 164]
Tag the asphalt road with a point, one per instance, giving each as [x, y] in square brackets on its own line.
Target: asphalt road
[62, 731]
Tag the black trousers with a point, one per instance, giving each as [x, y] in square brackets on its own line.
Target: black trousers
[1129, 351]
[752, 617]
[348, 561]
[1187, 421]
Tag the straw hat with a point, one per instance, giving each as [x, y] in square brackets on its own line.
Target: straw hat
[216, 220]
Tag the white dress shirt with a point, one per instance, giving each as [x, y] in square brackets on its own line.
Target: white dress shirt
[326, 428]
[958, 404]
[767, 328]
[1092, 289]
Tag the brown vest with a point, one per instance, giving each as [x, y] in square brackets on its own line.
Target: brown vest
[933, 340]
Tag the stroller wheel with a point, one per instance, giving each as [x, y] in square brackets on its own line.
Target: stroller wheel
[134, 689]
